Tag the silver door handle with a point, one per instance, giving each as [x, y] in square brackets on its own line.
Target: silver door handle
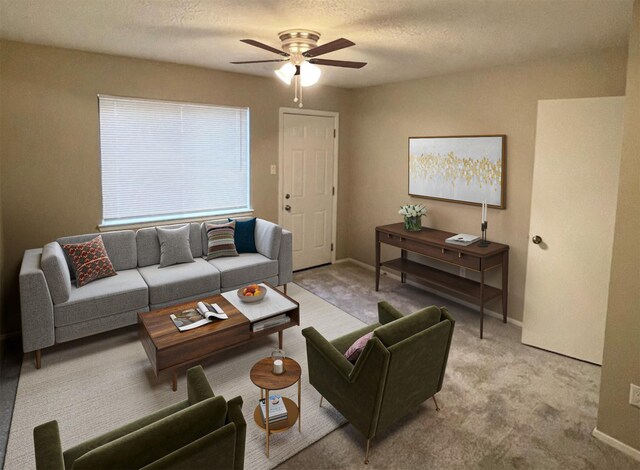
[287, 208]
[536, 239]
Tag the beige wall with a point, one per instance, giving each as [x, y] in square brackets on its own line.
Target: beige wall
[621, 364]
[500, 100]
[50, 150]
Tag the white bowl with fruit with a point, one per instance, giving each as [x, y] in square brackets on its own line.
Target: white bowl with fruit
[252, 293]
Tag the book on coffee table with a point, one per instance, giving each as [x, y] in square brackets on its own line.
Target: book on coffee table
[192, 318]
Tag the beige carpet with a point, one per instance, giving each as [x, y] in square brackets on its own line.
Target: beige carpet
[96, 384]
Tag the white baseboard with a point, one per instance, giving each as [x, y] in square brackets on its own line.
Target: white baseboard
[616, 444]
[487, 311]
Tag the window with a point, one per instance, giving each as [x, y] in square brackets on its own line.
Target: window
[165, 160]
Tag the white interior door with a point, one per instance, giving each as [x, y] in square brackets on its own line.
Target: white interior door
[573, 207]
[308, 190]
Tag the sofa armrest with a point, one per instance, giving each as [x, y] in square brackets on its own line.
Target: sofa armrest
[36, 306]
[268, 236]
[387, 313]
[198, 387]
[48, 448]
[332, 358]
[56, 272]
[234, 415]
[285, 259]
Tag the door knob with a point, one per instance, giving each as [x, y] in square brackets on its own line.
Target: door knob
[287, 196]
[287, 208]
[536, 239]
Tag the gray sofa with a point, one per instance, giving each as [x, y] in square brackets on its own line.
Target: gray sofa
[54, 310]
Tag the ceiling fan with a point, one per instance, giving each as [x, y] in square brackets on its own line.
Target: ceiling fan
[299, 50]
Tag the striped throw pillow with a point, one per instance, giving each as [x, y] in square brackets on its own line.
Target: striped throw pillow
[220, 240]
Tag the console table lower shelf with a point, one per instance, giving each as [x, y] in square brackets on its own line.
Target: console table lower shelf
[467, 289]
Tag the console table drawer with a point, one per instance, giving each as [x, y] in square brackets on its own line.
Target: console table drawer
[450, 255]
[458, 258]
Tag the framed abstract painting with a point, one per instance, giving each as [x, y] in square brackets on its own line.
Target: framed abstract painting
[465, 169]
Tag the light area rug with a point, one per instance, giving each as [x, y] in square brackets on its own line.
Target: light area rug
[94, 385]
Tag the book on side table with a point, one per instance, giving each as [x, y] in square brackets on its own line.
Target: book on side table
[277, 410]
[463, 239]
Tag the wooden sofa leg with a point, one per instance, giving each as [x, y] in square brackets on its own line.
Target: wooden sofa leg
[38, 358]
[285, 288]
[366, 454]
[436, 402]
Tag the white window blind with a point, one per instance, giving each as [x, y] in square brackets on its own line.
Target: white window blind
[166, 160]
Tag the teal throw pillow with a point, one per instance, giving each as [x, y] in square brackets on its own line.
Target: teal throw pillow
[245, 236]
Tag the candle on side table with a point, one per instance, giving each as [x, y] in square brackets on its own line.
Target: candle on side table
[278, 366]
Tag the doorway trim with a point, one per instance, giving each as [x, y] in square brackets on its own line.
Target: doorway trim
[336, 121]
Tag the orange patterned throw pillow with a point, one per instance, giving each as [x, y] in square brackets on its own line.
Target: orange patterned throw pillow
[89, 260]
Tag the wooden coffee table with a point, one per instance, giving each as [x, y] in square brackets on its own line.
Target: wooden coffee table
[171, 350]
[262, 376]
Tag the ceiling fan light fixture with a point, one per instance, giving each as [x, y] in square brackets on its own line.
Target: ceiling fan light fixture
[309, 74]
[286, 72]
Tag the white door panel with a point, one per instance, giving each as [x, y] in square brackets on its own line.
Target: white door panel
[308, 152]
[573, 206]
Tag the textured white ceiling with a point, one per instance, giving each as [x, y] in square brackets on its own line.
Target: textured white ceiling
[400, 39]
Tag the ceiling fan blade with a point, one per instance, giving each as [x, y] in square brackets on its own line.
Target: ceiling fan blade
[329, 47]
[338, 63]
[255, 43]
[258, 61]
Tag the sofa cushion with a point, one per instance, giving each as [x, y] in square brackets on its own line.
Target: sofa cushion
[174, 245]
[244, 269]
[180, 281]
[148, 244]
[245, 235]
[56, 272]
[122, 293]
[402, 328]
[220, 240]
[89, 260]
[120, 246]
[268, 236]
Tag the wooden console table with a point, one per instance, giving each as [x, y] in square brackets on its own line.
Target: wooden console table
[431, 243]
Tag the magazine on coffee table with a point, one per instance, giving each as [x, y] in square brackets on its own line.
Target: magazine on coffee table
[192, 318]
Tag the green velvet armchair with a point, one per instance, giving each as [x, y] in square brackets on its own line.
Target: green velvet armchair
[401, 366]
[203, 431]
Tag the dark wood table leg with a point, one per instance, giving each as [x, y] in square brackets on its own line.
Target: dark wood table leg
[505, 285]
[377, 261]
[280, 339]
[403, 276]
[174, 380]
[481, 301]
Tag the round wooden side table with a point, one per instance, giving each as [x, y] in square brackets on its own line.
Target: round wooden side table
[262, 376]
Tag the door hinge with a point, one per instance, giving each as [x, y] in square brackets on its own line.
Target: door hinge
[334, 133]
[332, 247]
[333, 191]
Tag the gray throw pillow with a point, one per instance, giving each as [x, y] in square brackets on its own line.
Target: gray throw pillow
[174, 245]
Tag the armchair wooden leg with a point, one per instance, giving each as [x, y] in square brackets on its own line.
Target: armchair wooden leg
[38, 358]
[366, 454]
[321, 398]
[436, 402]
[285, 289]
